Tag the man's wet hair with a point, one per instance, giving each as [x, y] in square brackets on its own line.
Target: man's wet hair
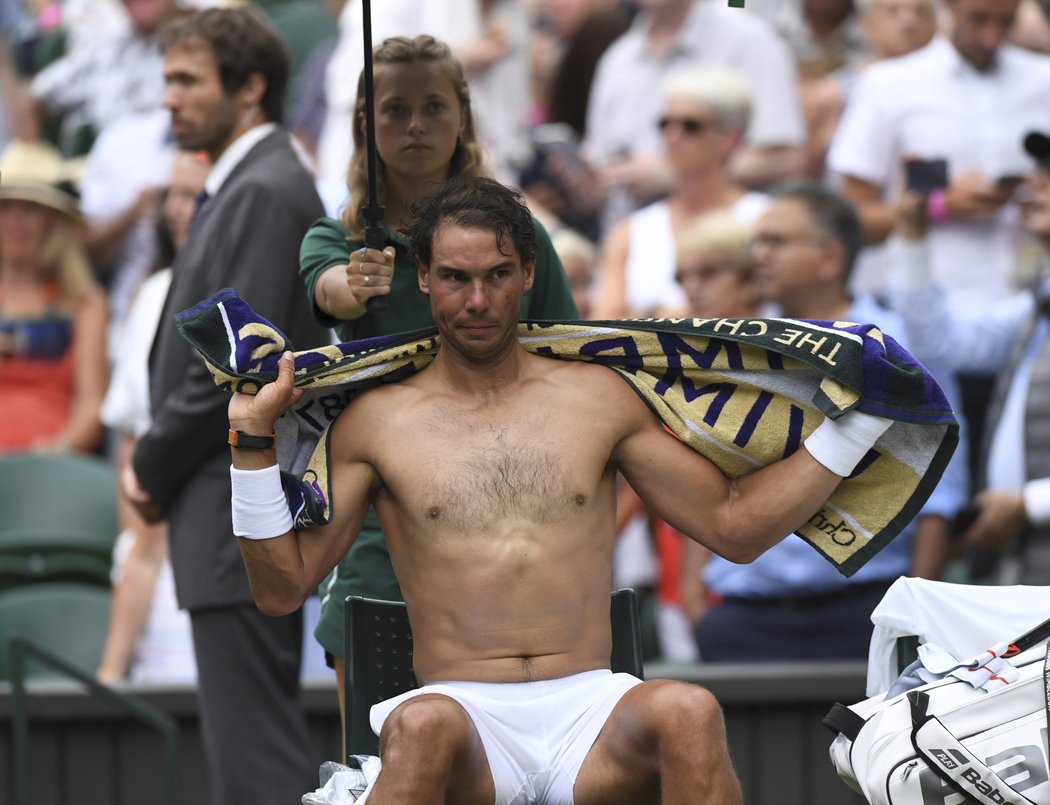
[243, 43]
[474, 203]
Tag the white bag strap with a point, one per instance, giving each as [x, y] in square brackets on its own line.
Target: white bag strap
[953, 762]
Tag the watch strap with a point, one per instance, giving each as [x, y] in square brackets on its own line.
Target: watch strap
[238, 438]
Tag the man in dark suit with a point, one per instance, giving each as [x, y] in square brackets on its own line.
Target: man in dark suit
[226, 72]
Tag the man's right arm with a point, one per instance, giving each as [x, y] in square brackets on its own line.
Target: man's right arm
[285, 565]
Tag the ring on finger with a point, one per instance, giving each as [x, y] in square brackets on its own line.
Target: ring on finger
[366, 279]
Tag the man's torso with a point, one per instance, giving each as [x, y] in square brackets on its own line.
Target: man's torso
[511, 499]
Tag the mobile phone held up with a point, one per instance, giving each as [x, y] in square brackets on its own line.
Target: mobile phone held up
[926, 175]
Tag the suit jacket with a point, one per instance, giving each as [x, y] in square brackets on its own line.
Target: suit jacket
[246, 237]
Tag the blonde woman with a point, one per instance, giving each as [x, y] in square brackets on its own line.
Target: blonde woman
[702, 121]
[52, 313]
[425, 135]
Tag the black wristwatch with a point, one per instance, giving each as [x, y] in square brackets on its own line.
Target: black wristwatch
[238, 438]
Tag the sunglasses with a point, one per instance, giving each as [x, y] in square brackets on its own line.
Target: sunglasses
[690, 125]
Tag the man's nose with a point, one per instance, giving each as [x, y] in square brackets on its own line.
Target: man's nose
[169, 97]
[477, 295]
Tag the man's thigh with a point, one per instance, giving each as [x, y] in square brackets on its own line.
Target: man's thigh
[663, 737]
[622, 766]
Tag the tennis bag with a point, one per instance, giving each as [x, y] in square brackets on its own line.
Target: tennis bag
[947, 742]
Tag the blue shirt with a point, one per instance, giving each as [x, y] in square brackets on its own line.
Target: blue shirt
[793, 567]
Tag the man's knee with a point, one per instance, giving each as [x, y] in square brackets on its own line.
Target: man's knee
[429, 723]
[682, 708]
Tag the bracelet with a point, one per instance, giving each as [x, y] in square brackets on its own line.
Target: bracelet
[937, 206]
[238, 438]
[259, 507]
[840, 444]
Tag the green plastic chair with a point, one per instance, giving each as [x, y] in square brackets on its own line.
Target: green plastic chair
[70, 620]
[58, 518]
[378, 649]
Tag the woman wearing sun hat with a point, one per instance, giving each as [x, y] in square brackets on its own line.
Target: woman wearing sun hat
[52, 312]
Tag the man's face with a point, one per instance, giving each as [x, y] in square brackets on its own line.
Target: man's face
[979, 27]
[897, 27]
[789, 252]
[1035, 208]
[475, 292]
[203, 116]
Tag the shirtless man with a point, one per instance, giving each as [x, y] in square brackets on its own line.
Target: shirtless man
[493, 472]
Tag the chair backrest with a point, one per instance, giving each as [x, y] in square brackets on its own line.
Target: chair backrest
[70, 620]
[59, 518]
[378, 650]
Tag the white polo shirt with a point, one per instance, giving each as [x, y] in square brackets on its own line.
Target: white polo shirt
[625, 100]
[933, 104]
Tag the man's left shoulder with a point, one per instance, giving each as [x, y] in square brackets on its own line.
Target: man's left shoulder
[585, 377]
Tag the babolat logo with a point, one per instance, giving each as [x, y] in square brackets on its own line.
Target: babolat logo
[944, 757]
[1024, 768]
[981, 787]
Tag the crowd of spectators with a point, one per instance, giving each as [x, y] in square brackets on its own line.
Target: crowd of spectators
[653, 140]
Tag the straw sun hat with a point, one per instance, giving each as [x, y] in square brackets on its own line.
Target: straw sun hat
[35, 171]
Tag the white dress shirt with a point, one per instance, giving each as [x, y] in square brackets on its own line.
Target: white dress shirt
[933, 104]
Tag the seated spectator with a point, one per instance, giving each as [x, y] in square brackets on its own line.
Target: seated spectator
[149, 637]
[715, 269]
[52, 314]
[784, 605]
[665, 36]
[704, 114]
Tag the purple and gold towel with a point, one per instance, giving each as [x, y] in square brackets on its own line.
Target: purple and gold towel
[742, 392]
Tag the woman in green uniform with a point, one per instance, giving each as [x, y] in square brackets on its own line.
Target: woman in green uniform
[424, 135]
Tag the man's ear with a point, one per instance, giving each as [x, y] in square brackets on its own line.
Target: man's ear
[253, 90]
[423, 276]
[833, 257]
[530, 275]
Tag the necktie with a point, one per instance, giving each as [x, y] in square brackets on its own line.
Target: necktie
[200, 201]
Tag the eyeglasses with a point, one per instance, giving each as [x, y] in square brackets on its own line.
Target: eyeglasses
[702, 272]
[689, 125]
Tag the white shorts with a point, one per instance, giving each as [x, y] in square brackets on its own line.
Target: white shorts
[536, 734]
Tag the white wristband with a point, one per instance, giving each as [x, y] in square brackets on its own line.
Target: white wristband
[840, 444]
[260, 509]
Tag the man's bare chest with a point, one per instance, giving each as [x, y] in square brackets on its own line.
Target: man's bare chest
[469, 469]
